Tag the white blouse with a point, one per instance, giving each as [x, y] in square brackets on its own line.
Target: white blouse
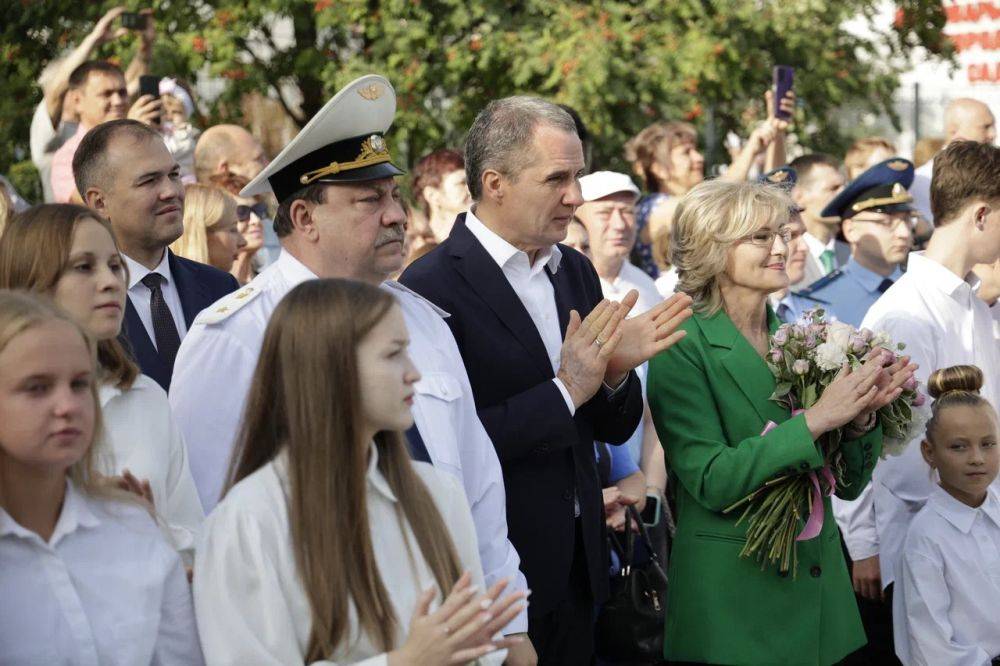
[948, 589]
[105, 590]
[250, 604]
[141, 436]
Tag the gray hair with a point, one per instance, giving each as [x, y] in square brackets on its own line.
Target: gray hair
[501, 134]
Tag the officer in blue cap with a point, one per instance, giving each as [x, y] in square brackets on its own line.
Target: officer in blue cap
[784, 178]
[878, 222]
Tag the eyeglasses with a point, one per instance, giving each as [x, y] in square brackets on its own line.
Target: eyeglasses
[765, 237]
[911, 221]
[243, 212]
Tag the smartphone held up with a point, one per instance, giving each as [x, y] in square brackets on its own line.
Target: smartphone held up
[784, 78]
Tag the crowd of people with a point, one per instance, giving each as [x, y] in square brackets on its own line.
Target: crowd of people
[262, 411]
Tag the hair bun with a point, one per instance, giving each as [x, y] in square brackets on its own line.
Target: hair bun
[967, 378]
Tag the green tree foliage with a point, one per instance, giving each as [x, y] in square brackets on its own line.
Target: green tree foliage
[620, 63]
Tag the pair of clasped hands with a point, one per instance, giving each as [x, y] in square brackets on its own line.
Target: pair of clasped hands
[606, 345]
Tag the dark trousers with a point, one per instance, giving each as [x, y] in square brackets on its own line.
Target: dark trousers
[564, 636]
[876, 617]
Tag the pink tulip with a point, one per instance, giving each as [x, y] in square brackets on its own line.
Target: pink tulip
[919, 400]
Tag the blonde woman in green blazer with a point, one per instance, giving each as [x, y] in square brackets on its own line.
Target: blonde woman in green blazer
[709, 396]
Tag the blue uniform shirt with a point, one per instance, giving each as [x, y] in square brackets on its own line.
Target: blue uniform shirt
[845, 294]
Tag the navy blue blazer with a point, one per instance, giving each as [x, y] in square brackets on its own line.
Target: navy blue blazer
[199, 285]
[547, 455]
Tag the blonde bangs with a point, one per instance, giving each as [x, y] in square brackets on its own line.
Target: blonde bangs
[709, 220]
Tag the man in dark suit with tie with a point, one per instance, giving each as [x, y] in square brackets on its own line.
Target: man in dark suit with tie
[546, 384]
[124, 171]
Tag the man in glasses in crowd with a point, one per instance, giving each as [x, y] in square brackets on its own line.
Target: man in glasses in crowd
[878, 221]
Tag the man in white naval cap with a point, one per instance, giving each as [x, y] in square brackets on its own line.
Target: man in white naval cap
[339, 216]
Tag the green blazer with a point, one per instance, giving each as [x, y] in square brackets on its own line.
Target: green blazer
[709, 399]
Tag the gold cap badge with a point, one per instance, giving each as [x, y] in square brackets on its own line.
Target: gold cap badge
[371, 93]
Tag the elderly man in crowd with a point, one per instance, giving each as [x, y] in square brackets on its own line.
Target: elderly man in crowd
[546, 385]
[125, 172]
[965, 119]
[608, 215]
[339, 215]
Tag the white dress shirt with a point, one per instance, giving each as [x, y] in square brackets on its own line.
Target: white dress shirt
[920, 190]
[251, 606]
[106, 590]
[943, 323]
[140, 435]
[139, 294]
[215, 365]
[533, 288]
[948, 590]
[630, 277]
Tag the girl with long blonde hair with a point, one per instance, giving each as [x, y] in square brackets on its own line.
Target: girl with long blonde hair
[86, 574]
[69, 255]
[329, 538]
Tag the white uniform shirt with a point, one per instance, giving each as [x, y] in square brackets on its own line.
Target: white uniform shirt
[215, 365]
[532, 287]
[920, 190]
[106, 590]
[142, 437]
[630, 277]
[251, 606]
[943, 323]
[948, 589]
[139, 294]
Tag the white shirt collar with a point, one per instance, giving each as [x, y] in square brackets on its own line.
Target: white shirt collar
[503, 252]
[816, 246]
[294, 270]
[933, 274]
[75, 514]
[962, 516]
[137, 271]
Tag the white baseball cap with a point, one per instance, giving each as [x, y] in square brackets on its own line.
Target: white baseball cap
[600, 184]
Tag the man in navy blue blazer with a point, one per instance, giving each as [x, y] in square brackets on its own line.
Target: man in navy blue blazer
[124, 171]
[546, 384]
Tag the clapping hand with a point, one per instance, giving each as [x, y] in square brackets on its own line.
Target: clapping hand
[848, 396]
[587, 348]
[462, 629]
[890, 382]
[648, 334]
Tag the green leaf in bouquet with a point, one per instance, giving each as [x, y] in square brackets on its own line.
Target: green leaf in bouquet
[781, 391]
[808, 396]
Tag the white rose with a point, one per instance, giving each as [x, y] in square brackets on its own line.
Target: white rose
[840, 334]
[830, 356]
[881, 339]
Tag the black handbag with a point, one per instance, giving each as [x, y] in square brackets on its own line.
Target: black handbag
[630, 625]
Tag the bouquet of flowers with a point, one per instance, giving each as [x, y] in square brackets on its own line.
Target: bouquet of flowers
[805, 357]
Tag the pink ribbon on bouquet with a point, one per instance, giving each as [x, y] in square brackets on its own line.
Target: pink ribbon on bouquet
[814, 524]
